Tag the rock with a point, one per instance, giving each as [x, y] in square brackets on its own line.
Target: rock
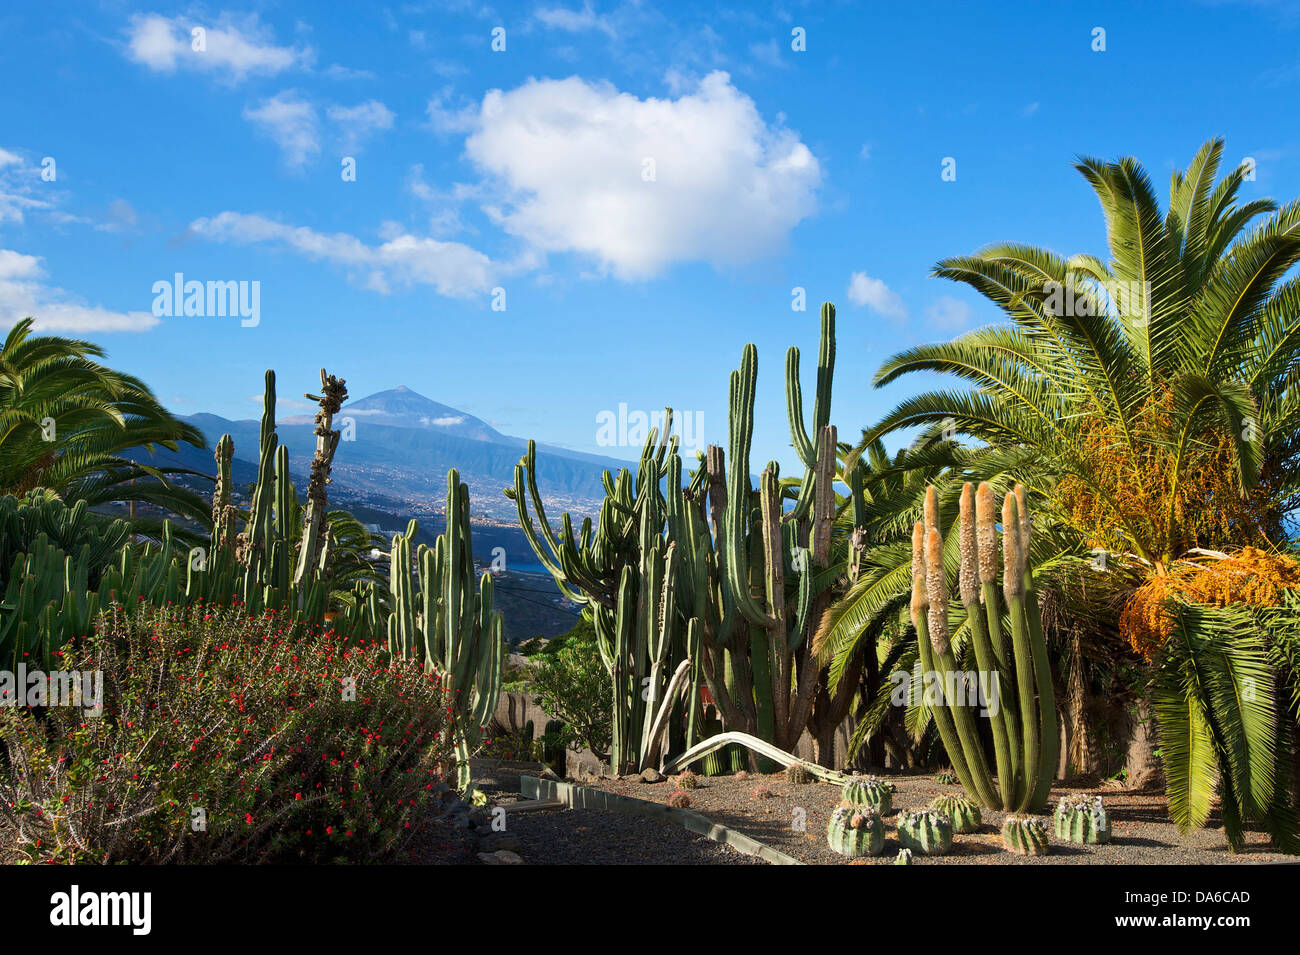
[499, 841]
[501, 857]
[651, 776]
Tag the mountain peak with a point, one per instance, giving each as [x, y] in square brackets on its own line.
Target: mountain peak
[401, 407]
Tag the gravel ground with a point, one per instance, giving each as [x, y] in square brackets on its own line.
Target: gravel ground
[1142, 832]
[596, 837]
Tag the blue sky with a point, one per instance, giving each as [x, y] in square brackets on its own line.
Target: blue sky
[525, 170]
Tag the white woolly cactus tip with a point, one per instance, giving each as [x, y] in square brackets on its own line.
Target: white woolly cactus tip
[986, 530]
[931, 507]
[968, 581]
[920, 599]
[937, 585]
[1022, 510]
[1013, 584]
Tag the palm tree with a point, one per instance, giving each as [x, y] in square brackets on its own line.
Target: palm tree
[67, 423]
[1150, 403]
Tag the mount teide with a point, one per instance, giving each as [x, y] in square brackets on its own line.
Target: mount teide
[402, 446]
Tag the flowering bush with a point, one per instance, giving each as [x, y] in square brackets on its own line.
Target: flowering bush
[225, 739]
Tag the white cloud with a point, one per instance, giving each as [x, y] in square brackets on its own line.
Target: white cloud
[24, 294]
[575, 21]
[949, 314]
[18, 183]
[876, 295]
[232, 49]
[569, 158]
[1031, 109]
[450, 268]
[291, 123]
[356, 123]
[447, 421]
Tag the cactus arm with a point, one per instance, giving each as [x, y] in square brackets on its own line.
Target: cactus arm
[753, 743]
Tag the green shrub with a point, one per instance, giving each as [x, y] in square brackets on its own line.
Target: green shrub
[288, 745]
[570, 682]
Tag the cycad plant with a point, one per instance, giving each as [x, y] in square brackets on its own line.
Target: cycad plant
[1150, 400]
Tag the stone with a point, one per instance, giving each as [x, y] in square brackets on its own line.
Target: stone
[501, 857]
[498, 841]
[651, 776]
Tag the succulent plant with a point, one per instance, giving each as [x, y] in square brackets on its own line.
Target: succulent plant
[798, 774]
[1025, 835]
[740, 775]
[687, 780]
[856, 831]
[926, 832]
[1023, 723]
[763, 792]
[904, 857]
[680, 799]
[965, 815]
[869, 791]
[1084, 822]
[947, 777]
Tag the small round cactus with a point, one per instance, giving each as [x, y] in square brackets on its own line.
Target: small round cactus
[927, 833]
[904, 857]
[946, 777]
[856, 831]
[741, 775]
[965, 815]
[763, 792]
[1084, 822]
[680, 799]
[869, 791]
[687, 780]
[1025, 835]
[798, 774]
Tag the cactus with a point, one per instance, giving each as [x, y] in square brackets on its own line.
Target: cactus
[798, 774]
[1025, 835]
[440, 619]
[855, 831]
[965, 815]
[947, 777]
[680, 800]
[870, 791]
[904, 857]
[1084, 822]
[1024, 729]
[687, 780]
[691, 579]
[926, 832]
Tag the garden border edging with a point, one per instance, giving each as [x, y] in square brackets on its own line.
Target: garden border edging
[582, 797]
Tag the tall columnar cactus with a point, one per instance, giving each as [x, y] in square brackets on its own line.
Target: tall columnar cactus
[926, 832]
[855, 831]
[1025, 835]
[1083, 821]
[439, 618]
[1023, 725]
[710, 580]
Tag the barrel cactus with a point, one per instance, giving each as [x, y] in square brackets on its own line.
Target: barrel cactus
[869, 791]
[904, 857]
[680, 799]
[798, 774]
[855, 831]
[947, 777]
[687, 780]
[1084, 822]
[965, 815]
[927, 832]
[1025, 835]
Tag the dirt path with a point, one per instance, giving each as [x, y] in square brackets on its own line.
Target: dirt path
[1143, 834]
